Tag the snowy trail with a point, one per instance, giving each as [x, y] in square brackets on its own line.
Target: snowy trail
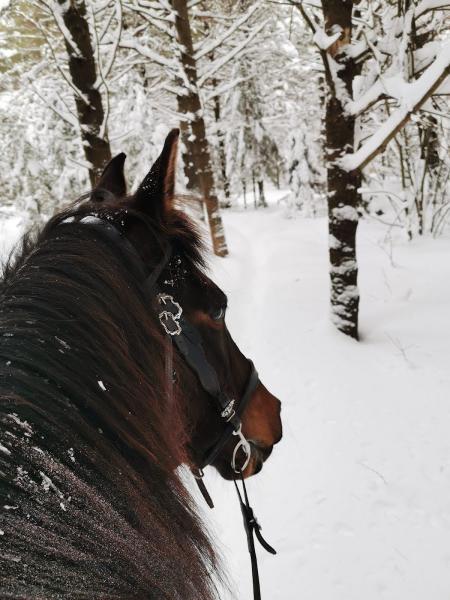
[356, 497]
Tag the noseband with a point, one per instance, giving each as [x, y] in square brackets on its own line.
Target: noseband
[189, 343]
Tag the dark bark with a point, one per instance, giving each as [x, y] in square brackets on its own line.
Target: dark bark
[196, 154]
[221, 150]
[343, 197]
[82, 70]
[261, 193]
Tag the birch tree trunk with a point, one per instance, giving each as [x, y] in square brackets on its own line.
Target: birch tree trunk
[196, 158]
[343, 197]
[88, 100]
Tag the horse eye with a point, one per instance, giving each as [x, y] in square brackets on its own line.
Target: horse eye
[217, 314]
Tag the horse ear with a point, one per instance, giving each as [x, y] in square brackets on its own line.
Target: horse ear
[112, 180]
[157, 189]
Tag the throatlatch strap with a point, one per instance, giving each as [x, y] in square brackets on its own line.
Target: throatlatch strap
[251, 525]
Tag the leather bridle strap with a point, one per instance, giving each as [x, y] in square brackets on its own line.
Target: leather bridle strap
[251, 527]
[233, 425]
[189, 344]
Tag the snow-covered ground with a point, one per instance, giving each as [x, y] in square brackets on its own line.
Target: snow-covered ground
[356, 497]
[10, 231]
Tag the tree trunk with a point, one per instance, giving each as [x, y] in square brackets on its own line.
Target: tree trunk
[343, 197]
[88, 102]
[262, 195]
[196, 154]
[221, 150]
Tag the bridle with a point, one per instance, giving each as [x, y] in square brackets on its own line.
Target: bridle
[188, 341]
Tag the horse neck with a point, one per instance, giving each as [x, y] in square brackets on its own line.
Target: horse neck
[87, 376]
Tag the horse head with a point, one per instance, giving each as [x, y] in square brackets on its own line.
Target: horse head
[155, 221]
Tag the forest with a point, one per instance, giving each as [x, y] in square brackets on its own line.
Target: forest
[315, 151]
[344, 103]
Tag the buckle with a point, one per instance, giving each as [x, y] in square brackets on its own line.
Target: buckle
[170, 316]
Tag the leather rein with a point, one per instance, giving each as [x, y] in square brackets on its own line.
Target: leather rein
[188, 341]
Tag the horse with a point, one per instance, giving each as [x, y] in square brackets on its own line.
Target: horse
[99, 408]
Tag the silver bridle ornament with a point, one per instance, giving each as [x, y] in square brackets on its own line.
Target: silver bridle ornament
[168, 319]
[243, 445]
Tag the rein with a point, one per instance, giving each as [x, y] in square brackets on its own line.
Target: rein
[188, 341]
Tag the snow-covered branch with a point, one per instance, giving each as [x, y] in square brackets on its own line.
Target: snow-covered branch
[69, 118]
[413, 97]
[58, 11]
[130, 43]
[428, 5]
[116, 40]
[223, 60]
[211, 44]
[223, 89]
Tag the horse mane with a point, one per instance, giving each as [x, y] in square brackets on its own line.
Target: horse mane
[92, 505]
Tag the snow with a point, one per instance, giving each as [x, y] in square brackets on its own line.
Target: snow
[411, 96]
[356, 497]
[345, 213]
[209, 45]
[10, 230]
[214, 66]
[324, 41]
[58, 10]
[426, 5]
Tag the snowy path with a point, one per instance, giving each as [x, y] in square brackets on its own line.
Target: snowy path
[356, 498]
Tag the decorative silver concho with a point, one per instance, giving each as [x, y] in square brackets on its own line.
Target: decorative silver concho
[170, 316]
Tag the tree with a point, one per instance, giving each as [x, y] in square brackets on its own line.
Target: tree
[386, 43]
[83, 72]
[197, 156]
[165, 40]
[343, 197]
[67, 24]
[195, 49]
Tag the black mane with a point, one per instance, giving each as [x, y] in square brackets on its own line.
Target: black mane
[91, 505]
